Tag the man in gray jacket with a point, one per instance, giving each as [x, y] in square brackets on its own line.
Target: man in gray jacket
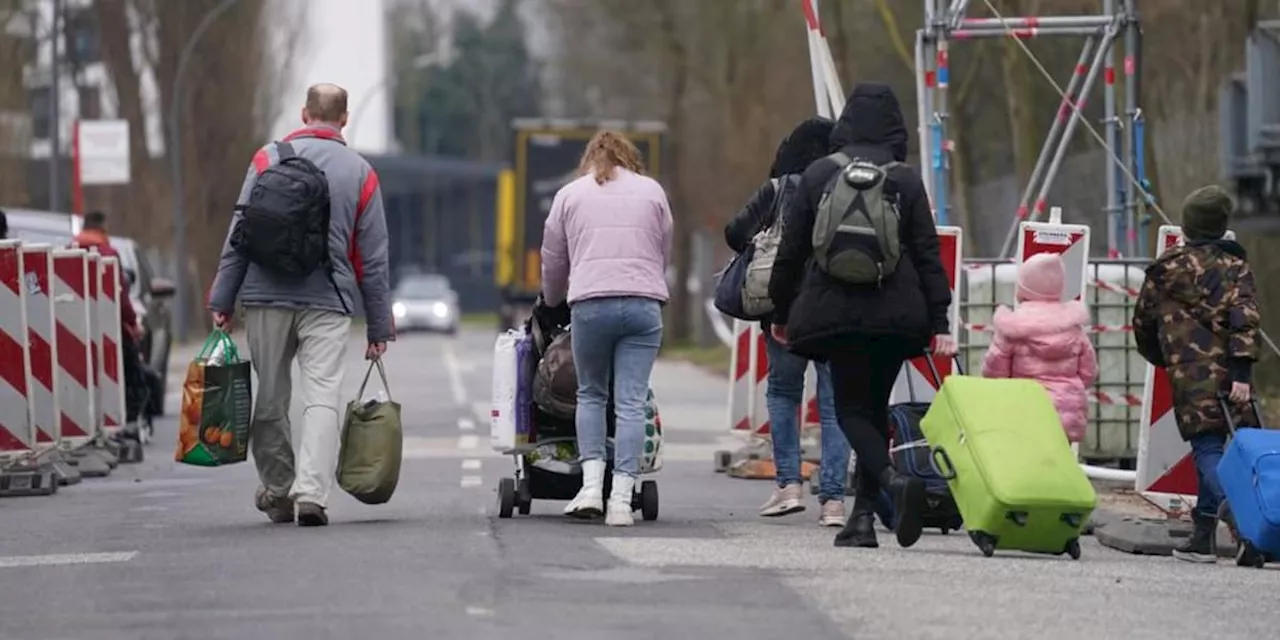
[308, 318]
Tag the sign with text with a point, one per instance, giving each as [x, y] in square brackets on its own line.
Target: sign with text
[102, 151]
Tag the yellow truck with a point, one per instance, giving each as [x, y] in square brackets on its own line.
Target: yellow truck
[545, 157]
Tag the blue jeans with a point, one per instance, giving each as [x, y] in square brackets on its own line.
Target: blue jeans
[784, 399]
[1206, 450]
[618, 339]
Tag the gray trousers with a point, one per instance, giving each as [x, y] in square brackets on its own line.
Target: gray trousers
[318, 339]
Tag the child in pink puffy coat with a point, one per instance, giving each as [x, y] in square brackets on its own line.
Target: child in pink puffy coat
[1044, 339]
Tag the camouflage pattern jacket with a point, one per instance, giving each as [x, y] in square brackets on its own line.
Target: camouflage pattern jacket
[1196, 316]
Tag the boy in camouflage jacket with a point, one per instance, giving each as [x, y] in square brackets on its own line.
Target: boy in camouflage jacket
[1196, 316]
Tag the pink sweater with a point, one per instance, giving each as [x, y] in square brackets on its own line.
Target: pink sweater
[1046, 342]
[609, 240]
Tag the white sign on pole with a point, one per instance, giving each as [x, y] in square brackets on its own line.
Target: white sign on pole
[103, 147]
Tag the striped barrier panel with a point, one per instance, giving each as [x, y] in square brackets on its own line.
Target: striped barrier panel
[74, 377]
[111, 389]
[94, 274]
[17, 435]
[42, 343]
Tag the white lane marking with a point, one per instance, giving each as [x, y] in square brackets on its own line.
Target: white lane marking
[466, 424]
[470, 465]
[57, 559]
[471, 481]
[479, 611]
[455, 374]
[468, 442]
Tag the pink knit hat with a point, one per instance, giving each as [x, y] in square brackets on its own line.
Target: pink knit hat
[1041, 278]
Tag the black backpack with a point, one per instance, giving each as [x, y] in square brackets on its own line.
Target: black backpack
[284, 227]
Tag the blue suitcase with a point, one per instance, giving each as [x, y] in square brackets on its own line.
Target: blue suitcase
[1250, 477]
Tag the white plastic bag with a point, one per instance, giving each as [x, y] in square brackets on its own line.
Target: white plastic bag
[502, 416]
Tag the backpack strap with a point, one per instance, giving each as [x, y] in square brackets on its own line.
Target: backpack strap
[285, 150]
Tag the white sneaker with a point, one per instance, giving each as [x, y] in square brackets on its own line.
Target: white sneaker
[784, 501]
[589, 503]
[620, 512]
[832, 514]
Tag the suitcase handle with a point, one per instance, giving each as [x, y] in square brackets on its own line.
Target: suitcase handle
[1224, 401]
[933, 371]
[942, 462]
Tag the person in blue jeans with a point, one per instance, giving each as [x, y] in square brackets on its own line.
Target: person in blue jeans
[785, 396]
[784, 400]
[1197, 317]
[604, 250]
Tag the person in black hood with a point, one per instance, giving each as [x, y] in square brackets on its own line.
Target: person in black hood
[807, 143]
[866, 332]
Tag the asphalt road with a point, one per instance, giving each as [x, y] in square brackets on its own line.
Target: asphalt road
[159, 551]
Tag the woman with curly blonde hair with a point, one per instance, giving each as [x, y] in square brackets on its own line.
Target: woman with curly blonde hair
[604, 250]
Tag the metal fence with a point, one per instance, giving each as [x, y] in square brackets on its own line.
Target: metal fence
[1111, 289]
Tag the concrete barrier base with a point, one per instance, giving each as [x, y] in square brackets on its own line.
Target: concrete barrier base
[91, 462]
[27, 478]
[1152, 536]
[64, 472]
[131, 452]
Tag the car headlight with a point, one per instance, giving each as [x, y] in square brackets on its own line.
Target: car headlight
[398, 310]
[440, 309]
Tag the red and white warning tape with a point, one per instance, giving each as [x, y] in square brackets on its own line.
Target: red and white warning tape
[1097, 328]
[1126, 399]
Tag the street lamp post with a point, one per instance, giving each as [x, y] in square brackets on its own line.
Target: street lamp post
[175, 160]
[421, 62]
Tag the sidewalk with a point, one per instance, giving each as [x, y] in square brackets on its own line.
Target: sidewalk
[693, 404]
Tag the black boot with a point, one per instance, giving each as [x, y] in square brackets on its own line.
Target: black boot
[860, 529]
[1200, 546]
[908, 494]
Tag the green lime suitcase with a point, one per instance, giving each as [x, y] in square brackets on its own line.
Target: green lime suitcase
[1001, 447]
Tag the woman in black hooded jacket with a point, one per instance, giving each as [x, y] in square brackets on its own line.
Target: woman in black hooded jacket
[805, 144]
[865, 333]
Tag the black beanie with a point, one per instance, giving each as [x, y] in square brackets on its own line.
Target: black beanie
[1205, 213]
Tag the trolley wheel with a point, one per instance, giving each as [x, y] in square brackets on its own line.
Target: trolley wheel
[524, 496]
[649, 500]
[1073, 548]
[506, 497]
[723, 460]
[946, 531]
[986, 543]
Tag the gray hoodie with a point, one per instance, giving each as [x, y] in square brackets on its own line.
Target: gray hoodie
[357, 241]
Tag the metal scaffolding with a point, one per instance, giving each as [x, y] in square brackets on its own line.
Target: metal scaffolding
[945, 22]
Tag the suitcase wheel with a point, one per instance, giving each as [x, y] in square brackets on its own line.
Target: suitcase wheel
[985, 541]
[1248, 556]
[946, 531]
[1073, 549]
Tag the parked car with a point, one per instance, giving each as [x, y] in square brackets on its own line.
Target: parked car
[148, 292]
[425, 301]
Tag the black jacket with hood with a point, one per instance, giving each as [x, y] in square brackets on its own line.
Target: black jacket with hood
[823, 314]
[807, 143]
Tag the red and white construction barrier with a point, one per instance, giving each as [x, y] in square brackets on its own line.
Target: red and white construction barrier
[75, 373]
[112, 408]
[95, 338]
[37, 267]
[1070, 241]
[915, 382]
[1166, 473]
[17, 435]
[749, 383]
